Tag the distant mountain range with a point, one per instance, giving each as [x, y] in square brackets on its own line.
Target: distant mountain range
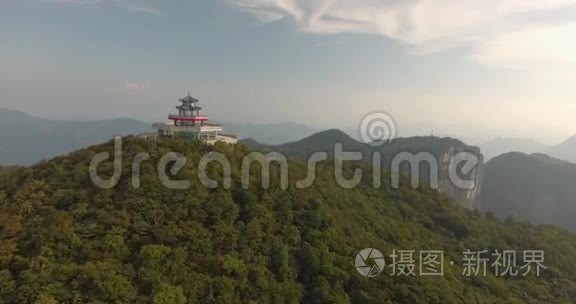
[498, 146]
[565, 150]
[272, 134]
[534, 187]
[25, 139]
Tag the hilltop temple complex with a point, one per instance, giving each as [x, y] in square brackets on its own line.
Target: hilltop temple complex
[191, 124]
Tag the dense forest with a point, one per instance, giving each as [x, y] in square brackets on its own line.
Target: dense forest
[64, 240]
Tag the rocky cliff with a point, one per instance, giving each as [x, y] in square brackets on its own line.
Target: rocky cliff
[463, 185]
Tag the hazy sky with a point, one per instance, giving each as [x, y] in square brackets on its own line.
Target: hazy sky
[464, 67]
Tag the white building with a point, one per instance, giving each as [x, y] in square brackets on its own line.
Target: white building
[189, 123]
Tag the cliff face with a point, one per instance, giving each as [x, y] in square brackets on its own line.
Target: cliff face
[464, 184]
[468, 196]
[445, 151]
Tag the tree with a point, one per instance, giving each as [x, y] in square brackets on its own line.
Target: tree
[168, 294]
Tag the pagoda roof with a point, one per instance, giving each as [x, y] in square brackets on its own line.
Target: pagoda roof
[188, 107]
[189, 99]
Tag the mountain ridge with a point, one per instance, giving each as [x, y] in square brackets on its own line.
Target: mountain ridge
[40, 138]
[534, 187]
[443, 150]
[565, 150]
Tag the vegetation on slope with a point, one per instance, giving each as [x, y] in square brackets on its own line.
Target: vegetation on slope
[534, 187]
[63, 240]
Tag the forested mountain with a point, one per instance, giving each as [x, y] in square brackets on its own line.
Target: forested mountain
[319, 142]
[25, 139]
[565, 150]
[534, 187]
[64, 240]
[500, 145]
[443, 150]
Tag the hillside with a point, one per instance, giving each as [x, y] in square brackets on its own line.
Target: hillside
[565, 150]
[319, 142]
[6, 170]
[534, 187]
[64, 240]
[443, 150]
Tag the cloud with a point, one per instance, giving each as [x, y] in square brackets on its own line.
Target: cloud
[137, 6]
[536, 48]
[133, 86]
[425, 26]
[77, 2]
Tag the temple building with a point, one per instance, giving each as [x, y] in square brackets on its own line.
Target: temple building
[190, 123]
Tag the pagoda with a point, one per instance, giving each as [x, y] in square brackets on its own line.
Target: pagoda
[191, 124]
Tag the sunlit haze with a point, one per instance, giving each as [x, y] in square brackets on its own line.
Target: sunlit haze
[467, 68]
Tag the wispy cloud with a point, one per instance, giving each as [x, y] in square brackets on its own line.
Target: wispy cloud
[543, 46]
[492, 29]
[137, 6]
[76, 2]
[133, 86]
